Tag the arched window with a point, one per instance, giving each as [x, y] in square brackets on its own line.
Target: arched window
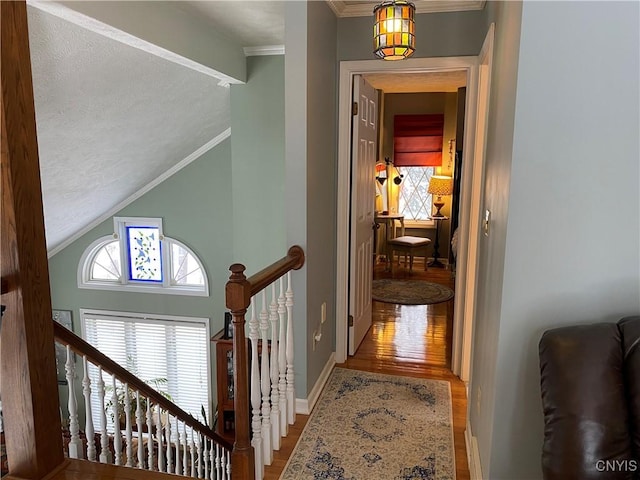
[139, 258]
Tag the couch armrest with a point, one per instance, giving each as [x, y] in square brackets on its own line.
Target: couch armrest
[583, 398]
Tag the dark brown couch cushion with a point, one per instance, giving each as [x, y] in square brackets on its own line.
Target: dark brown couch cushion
[583, 397]
[630, 330]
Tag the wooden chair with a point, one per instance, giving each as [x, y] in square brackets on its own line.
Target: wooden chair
[408, 245]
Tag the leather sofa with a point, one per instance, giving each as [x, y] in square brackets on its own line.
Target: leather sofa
[590, 384]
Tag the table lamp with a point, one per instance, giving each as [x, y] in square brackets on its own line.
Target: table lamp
[440, 185]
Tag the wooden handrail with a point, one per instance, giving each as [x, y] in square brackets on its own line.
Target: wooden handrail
[80, 346]
[293, 261]
[239, 291]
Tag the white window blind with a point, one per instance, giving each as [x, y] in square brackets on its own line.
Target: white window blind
[169, 353]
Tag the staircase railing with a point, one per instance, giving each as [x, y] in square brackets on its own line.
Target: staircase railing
[272, 380]
[158, 435]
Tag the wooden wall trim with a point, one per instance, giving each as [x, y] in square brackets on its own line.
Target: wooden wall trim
[29, 386]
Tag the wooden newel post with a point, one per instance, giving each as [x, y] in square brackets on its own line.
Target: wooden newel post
[27, 364]
[238, 297]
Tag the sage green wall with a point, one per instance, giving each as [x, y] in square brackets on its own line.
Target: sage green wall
[257, 152]
[322, 160]
[579, 91]
[295, 103]
[311, 159]
[437, 35]
[195, 205]
[491, 253]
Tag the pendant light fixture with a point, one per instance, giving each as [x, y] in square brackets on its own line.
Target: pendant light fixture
[394, 30]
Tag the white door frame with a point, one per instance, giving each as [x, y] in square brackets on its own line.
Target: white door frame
[467, 263]
[471, 215]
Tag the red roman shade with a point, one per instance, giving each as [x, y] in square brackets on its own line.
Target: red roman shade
[417, 140]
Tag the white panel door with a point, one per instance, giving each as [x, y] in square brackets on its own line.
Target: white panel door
[363, 161]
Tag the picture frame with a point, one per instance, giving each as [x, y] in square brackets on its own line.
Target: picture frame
[228, 325]
[63, 317]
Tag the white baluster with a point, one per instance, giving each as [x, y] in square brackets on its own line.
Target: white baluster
[149, 435]
[192, 450]
[206, 457]
[139, 423]
[291, 393]
[274, 372]
[178, 457]
[282, 361]
[224, 464]
[256, 439]
[75, 444]
[117, 437]
[199, 451]
[105, 454]
[265, 382]
[212, 461]
[218, 462]
[185, 460]
[128, 428]
[159, 433]
[88, 429]
[228, 469]
[169, 452]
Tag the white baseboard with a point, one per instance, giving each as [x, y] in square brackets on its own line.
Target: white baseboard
[305, 405]
[473, 455]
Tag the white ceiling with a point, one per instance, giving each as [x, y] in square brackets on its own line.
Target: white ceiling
[252, 23]
[113, 120]
[418, 82]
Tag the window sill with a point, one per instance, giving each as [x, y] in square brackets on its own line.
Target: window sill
[173, 290]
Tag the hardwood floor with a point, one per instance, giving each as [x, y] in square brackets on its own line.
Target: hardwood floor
[409, 340]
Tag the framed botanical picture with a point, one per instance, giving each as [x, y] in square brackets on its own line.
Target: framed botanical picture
[63, 317]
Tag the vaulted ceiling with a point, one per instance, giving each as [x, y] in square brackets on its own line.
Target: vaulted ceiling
[110, 120]
[115, 117]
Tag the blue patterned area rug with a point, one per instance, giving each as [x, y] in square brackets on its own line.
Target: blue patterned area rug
[368, 426]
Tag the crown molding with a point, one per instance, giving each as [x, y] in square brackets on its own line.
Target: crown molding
[265, 50]
[365, 9]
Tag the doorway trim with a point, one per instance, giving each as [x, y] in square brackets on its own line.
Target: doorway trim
[471, 229]
[413, 65]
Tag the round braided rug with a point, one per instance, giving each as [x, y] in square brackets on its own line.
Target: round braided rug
[410, 292]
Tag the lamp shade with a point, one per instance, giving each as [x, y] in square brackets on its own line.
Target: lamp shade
[440, 185]
[394, 30]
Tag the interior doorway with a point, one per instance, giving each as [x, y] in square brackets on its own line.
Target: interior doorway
[469, 211]
[420, 118]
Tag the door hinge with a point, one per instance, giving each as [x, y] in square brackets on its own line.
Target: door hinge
[354, 108]
[351, 320]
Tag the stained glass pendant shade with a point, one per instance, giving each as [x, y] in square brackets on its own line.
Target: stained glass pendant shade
[394, 30]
